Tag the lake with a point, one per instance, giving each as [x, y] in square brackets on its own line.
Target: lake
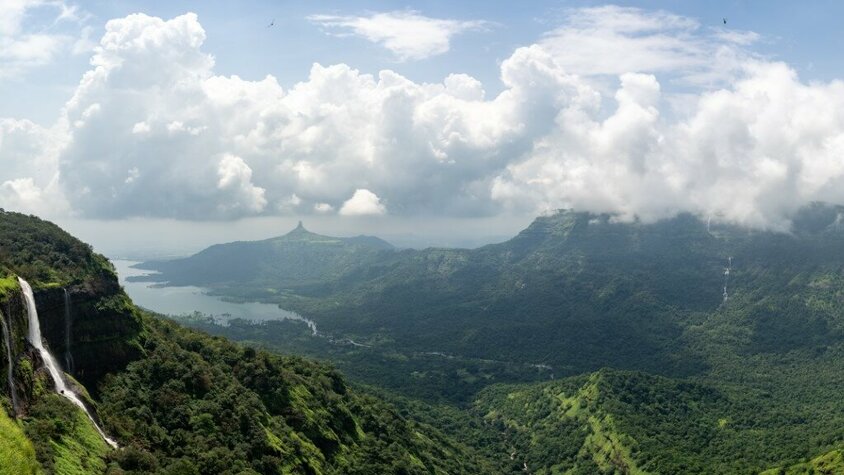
[187, 300]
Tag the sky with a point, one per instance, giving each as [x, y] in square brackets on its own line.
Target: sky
[161, 127]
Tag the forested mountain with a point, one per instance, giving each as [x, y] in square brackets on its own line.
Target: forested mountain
[175, 401]
[293, 259]
[675, 347]
[572, 285]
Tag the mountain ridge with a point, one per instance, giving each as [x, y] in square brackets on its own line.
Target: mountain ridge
[287, 260]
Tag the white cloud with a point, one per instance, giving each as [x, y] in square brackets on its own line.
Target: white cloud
[21, 49]
[613, 40]
[29, 179]
[160, 134]
[236, 176]
[140, 128]
[407, 34]
[363, 203]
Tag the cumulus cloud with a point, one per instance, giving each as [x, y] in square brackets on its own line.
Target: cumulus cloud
[152, 131]
[363, 203]
[29, 178]
[407, 34]
[21, 49]
[236, 176]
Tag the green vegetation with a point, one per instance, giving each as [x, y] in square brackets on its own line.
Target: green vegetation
[65, 440]
[8, 285]
[433, 377]
[581, 346]
[831, 463]
[17, 456]
[44, 253]
[206, 405]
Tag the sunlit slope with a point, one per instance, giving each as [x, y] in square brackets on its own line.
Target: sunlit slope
[629, 422]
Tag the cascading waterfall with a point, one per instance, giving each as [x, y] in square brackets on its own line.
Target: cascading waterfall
[727, 276]
[50, 362]
[68, 327]
[7, 335]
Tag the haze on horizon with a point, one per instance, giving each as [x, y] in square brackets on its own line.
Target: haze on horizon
[167, 128]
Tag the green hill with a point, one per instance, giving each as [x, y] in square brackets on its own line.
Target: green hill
[176, 400]
[296, 258]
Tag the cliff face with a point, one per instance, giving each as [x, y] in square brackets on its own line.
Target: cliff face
[14, 317]
[101, 335]
[104, 330]
[104, 335]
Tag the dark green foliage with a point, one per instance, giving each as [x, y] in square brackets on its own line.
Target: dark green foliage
[423, 375]
[196, 402]
[43, 253]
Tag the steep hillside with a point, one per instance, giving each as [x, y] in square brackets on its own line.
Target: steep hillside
[174, 400]
[831, 463]
[201, 402]
[296, 258]
[629, 422]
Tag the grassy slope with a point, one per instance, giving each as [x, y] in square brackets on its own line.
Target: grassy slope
[17, 456]
[65, 440]
[830, 463]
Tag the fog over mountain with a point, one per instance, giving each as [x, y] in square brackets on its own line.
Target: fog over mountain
[688, 118]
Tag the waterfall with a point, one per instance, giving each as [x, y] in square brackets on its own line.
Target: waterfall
[50, 362]
[727, 276]
[7, 335]
[68, 327]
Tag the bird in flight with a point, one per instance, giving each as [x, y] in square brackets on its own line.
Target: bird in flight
[272, 23]
[725, 21]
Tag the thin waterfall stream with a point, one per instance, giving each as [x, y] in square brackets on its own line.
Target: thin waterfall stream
[7, 335]
[68, 328]
[727, 277]
[50, 362]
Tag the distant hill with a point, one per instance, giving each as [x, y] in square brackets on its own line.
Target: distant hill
[559, 293]
[297, 258]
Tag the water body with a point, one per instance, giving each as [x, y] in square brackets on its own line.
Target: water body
[187, 300]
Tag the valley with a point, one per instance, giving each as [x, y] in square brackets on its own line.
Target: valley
[576, 347]
[613, 295]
